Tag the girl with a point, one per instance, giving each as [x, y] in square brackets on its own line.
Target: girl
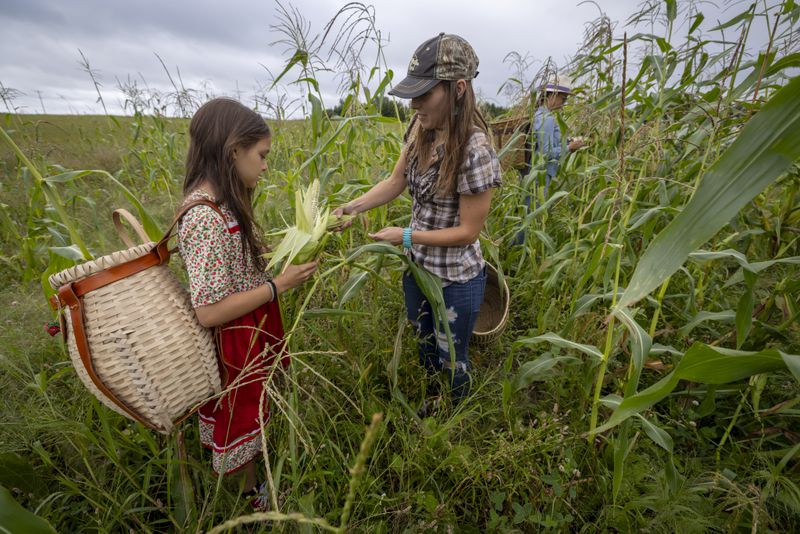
[450, 168]
[228, 145]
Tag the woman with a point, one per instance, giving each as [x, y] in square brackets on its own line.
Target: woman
[450, 169]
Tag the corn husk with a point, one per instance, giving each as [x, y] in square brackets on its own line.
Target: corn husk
[302, 242]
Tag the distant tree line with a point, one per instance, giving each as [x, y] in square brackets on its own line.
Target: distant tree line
[400, 110]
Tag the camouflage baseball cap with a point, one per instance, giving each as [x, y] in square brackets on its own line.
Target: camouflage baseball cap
[444, 57]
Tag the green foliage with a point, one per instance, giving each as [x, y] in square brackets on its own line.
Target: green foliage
[689, 399]
[765, 149]
[395, 109]
[14, 519]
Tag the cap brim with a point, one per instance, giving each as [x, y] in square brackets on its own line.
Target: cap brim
[412, 87]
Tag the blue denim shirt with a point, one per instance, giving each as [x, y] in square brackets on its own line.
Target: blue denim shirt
[548, 139]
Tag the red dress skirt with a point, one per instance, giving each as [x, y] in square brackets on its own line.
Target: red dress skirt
[247, 348]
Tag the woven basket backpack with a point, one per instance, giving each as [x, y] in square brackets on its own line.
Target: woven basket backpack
[132, 333]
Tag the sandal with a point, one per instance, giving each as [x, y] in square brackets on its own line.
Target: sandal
[258, 497]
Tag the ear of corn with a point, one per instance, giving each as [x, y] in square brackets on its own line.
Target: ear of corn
[302, 242]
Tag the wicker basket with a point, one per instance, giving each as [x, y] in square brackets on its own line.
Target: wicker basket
[133, 337]
[503, 131]
[493, 316]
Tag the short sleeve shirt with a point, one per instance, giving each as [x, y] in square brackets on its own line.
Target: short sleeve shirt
[211, 249]
[479, 172]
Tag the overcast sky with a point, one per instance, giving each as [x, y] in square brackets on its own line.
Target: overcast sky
[224, 48]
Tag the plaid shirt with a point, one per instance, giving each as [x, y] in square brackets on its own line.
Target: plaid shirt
[429, 211]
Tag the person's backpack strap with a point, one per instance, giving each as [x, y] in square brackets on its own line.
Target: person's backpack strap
[162, 247]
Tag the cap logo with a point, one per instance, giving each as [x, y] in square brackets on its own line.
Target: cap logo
[414, 64]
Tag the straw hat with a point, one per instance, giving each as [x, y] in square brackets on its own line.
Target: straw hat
[557, 83]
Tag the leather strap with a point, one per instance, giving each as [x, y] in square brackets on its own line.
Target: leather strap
[158, 255]
[67, 295]
[71, 296]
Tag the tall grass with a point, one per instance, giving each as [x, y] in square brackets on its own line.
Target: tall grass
[647, 379]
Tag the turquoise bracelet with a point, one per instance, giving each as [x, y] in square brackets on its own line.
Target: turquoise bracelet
[407, 237]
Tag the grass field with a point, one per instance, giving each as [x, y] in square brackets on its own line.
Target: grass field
[647, 379]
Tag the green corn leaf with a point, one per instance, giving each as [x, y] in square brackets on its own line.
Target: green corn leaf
[18, 472]
[387, 78]
[786, 62]
[641, 343]
[659, 436]
[429, 284]
[149, 224]
[767, 146]
[536, 370]
[698, 19]
[744, 310]
[300, 56]
[547, 206]
[394, 363]
[71, 252]
[558, 341]
[754, 267]
[353, 285]
[703, 316]
[324, 147]
[707, 365]
[792, 362]
[16, 519]
[65, 177]
[746, 15]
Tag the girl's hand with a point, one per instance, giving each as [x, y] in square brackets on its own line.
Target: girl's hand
[338, 212]
[392, 234]
[294, 275]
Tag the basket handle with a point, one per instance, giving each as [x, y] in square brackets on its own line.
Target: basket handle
[133, 222]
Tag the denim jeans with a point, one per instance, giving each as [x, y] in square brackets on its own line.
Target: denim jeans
[463, 302]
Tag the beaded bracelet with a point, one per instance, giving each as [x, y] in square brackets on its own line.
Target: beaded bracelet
[407, 237]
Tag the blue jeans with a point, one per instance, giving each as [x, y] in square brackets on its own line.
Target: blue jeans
[463, 302]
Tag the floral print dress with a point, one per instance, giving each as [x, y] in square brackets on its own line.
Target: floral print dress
[248, 347]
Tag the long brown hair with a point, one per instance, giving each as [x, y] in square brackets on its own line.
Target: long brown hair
[218, 128]
[460, 122]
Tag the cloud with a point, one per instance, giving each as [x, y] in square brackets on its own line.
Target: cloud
[227, 47]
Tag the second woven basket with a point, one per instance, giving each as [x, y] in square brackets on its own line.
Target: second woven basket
[493, 315]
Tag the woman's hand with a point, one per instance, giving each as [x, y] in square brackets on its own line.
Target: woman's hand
[294, 275]
[392, 234]
[576, 143]
[338, 213]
